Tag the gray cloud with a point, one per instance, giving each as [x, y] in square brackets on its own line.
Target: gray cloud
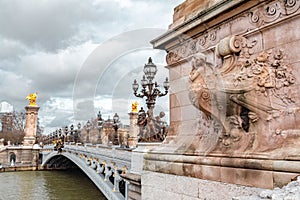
[45, 43]
[49, 25]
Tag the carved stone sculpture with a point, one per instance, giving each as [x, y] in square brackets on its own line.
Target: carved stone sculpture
[152, 129]
[248, 95]
[32, 99]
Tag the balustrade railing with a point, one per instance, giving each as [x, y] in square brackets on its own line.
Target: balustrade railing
[108, 162]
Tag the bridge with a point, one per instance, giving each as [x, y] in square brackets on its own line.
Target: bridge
[102, 164]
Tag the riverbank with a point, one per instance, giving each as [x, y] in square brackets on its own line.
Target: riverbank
[30, 167]
[21, 167]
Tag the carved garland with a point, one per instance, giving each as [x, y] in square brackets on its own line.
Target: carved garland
[270, 74]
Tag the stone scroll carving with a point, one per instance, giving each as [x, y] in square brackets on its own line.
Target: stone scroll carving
[274, 10]
[251, 20]
[251, 96]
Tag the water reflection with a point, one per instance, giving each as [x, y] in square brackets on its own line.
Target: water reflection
[48, 185]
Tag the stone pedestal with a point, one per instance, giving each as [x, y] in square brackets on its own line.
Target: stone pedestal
[31, 125]
[134, 130]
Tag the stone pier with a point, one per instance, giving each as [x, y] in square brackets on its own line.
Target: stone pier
[234, 102]
[31, 125]
[134, 130]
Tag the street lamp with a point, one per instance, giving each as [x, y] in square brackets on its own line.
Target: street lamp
[56, 134]
[60, 133]
[72, 132]
[66, 134]
[88, 127]
[116, 126]
[50, 138]
[77, 132]
[100, 125]
[150, 90]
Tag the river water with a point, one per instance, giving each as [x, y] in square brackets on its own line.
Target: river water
[48, 185]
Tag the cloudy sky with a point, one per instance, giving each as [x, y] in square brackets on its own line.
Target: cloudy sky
[80, 56]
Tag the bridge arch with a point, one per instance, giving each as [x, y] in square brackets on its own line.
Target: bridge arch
[91, 170]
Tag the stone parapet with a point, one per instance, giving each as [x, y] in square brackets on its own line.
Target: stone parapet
[168, 186]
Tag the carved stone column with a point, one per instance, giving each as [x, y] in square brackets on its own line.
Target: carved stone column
[117, 179]
[107, 172]
[134, 130]
[31, 125]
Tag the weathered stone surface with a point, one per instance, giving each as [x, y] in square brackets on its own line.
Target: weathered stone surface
[179, 85]
[211, 173]
[283, 33]
[240, 68]
[176, 184]
[189, 7]
[31, 125]
[288, 192]
[181, 187]
[281, 179]
[254, 178]
[154, 181]
[174, 101]
[175, 114]
[183, 99]
[175, 73]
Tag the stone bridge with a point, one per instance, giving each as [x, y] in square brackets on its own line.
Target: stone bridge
[102, 164]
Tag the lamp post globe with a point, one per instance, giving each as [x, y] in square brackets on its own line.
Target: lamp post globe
[150, 70]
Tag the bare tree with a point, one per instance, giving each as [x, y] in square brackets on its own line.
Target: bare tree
[13, 127]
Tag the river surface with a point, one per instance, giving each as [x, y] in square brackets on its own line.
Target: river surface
[48, 185]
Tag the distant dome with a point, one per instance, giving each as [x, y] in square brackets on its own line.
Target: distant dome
[5, 107]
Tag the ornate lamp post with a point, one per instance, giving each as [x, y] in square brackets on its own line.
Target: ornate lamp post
[50, 138]
[66, 134]
[116, 127]
[88, 127]
[53, 136]
[72, 132]
[59, 133]
[77, 132]
[56, 135]
[151, 91]
[100, 126]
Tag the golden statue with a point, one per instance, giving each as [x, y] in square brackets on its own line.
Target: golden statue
[134, 107]
[32, 99]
